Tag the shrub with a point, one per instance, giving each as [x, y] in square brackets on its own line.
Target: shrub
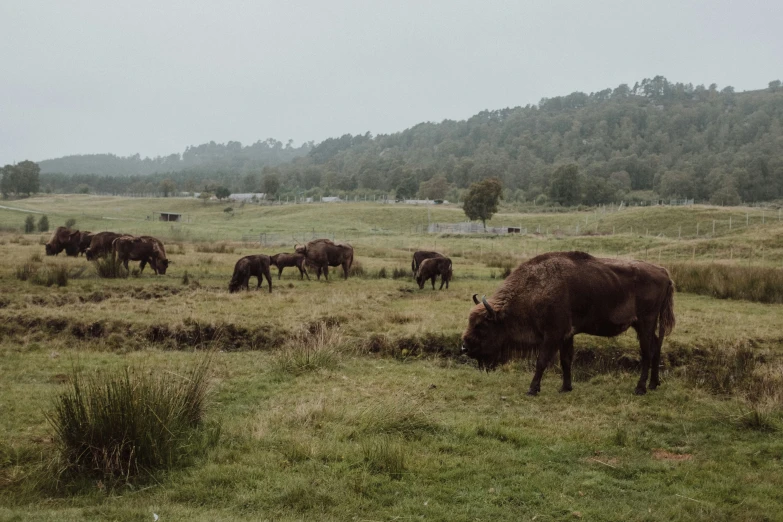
[110, 268]
[382, 273]
[401, 273]
[70, 223]
[384, 455]
[43, 224]
[122, 424]
[29, 225]
[185, 278]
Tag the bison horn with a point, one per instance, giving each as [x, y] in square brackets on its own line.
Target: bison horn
[486, 305]
[475, 299]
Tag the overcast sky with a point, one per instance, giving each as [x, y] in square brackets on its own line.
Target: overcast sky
[81, 77]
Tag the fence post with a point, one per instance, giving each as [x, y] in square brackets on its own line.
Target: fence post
[679, 233]
[713, 227]
[697, 229]
[729, 222]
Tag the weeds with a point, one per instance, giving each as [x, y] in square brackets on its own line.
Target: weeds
[382, 273]
[309, 351]
[357, 270]
[122, 424]
[751, 283]
[26, 271]
[384, 455]
[185, 278]
[214, 248]
[51, 275]
[110, 268]
[401, 273]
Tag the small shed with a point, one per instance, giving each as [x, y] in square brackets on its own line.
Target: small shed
[169, 216]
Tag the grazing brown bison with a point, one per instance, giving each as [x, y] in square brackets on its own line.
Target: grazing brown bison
[100, 245]
[432, 268]
[146, 249]
[63, 239]
[256, 265]
[421, 255]
[547, 300]
[282, 261]
[322, 253]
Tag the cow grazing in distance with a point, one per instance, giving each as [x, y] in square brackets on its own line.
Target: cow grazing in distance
[322, 253]
[255, 265]
[100, 245]
[145, 249]
[284, 260]
[63, 239]
[421, 255]
[547, 300]
[432, 268]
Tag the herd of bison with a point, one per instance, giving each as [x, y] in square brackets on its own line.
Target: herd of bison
[536, 311]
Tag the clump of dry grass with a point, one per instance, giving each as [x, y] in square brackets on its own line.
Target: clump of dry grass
[751, 283]
[310, 350]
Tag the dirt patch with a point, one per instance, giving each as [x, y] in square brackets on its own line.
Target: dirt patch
[662, 454]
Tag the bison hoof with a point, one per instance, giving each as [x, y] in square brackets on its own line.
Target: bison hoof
[640, 391]
[565, 389]
[532, 393]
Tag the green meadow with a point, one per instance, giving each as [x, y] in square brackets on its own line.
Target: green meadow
[348, 400]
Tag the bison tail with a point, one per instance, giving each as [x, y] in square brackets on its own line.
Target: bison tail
[666, 319]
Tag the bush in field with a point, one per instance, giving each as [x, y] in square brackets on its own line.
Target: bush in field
[309, 351]
[382, 273]
[110, 268]
[26, 271]
[29, 225]
[118, 425]
[43, 224]
[70, 223]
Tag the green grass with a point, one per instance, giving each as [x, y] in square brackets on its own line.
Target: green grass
[346, 399]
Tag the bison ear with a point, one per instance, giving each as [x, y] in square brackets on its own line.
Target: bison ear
[475, 299]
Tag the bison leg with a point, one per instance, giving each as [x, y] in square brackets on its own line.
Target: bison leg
[566, 358]
[655, 363]
[346, 269]
[544, 357]
[142, 265]
[326, 271]
[279, 272]
[303, 272]
[268, 279]
[443, 280]
[646, 347]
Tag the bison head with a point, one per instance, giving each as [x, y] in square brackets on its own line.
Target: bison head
[50, 250]
[89, 255]
[486, 338]
[301, 249]
[234, 287]
[163, 264]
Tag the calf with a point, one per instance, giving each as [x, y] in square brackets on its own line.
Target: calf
[432, 268]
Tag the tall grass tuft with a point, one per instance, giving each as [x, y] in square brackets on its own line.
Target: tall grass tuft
[310, 350]
[51, 275]
[384, 455]
[26, 271]
[214, 248]
[110, 268]
[357, 270]
[125, 424]
[382, 273]
[724, 370]
[401, 273]
[751, 283]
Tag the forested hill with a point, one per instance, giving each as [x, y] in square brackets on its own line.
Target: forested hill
[209, 157]
[673, 139]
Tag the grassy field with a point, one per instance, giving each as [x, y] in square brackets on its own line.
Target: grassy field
[347, 401]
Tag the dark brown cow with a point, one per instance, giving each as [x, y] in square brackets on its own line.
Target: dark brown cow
[547, 300]
[284, 260]
[432, 268]
[100, 245]
[322, 253]
[85, 238]
[146, 249]
[421, 255]
[256, 265]
[63, 239]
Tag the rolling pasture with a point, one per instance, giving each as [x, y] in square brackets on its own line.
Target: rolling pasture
[348, 400]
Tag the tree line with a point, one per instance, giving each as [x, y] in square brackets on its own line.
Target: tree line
[656, 139]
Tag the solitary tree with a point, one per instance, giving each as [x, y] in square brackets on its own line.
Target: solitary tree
[222, 192]
[29, 225]
[168, 187]
[481, 201]
[43, 224]
[21, 178]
